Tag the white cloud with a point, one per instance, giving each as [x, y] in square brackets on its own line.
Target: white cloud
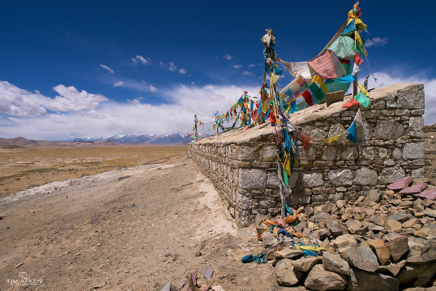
[251, 65]
[376, 41]
[134, 60]
[152, 88]
[237, 66]
[192, 83]
[228, 57]
[183, 71]
[247, 73]
[141, 60]
[18, 102]
[135, 101]
[172, 67]
[384, 79]
[129, 118]
[118, 84]
[107, 68]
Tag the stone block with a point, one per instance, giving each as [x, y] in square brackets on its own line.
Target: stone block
[268, 154]
[415, 126]
[389, 129]
[349, 153]
[390, 175]
[313, 180]
[365, 176]
[411, 99]
[252, 179]
[413, 151]
[314, 132]
[329, 153]
[341, 177]
[272, 180]
[245, 153]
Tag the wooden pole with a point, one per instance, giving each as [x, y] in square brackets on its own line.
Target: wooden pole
[355, 87]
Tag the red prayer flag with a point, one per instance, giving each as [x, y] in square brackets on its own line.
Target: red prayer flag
[352, 103]
[357, 59]
[308, 97]
[323, 65]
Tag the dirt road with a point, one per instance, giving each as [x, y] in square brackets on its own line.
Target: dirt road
[128, 229]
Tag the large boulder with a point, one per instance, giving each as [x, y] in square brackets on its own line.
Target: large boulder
[320, 279]
[365, 281]
[334, 263]
[286, 274]
[361, 257]
[305, 264]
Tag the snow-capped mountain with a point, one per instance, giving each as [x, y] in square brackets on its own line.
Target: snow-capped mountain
[160, 138]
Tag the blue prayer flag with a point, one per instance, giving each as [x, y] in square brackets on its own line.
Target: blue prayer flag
[347, 79]
[349, 28]
[352, 133]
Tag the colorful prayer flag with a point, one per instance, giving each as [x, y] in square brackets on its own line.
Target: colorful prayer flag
[352, 133]
[362, 99]
[323, 65]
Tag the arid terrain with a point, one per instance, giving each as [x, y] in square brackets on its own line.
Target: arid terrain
[133, 228]
[122, 218]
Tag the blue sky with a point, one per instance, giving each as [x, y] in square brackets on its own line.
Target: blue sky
[94, 68]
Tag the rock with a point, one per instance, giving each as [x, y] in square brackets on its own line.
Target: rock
[320, 279]
[398, 246]
[409, 223]
[373, 196]
[429, 194]
[353, 225]
[421, 250]
[399, 216]
[268, 239]
[259, 219]
[365, 176]
[317, 217]
[401, 184]
[341, 177]
[288, 254]
[344, 241]
[286, 274]
[305, 264]
[393, 225]
[390, 175]
[340, 203]
[217, 288]
[430, 212]
[415, 189]
[167, 287]
[394, 269]
[374, 281]
[389, 129]
[334, 263]
[335, 231]
[252, 179]
[321, 233]
[312, 180]
[417, 274]
[413, 151]
[381, 250]
[361, 257]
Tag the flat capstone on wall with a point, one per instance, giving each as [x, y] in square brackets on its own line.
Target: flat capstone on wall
[242, 164]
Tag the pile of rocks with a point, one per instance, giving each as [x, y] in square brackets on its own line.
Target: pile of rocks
[375, 243]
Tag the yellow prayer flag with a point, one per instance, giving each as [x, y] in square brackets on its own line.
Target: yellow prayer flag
[363, 90]
[358, 39]
[318, 80]
[333, 139]
[274, 78]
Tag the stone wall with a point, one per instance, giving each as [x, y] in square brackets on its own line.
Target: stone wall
[242, 164]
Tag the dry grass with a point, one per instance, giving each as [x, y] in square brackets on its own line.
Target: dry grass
[21, 168]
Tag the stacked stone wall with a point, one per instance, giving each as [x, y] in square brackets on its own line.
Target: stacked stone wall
[243, 168]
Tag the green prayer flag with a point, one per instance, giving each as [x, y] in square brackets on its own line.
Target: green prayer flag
[285, 178]
[362, 99]
[317, 92]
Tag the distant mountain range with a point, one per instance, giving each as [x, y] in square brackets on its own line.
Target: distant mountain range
[161, 138]
[114, 140]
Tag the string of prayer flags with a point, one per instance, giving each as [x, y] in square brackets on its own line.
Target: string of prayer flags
[317, 79]
[339, 68]
[317, 93]
[307, 97]
[306, 140]
[332, 139]
[298, 69]
[352, 133]
[351, 103]
[363, 90]
[349, 28]
[323, 65]
[355, 69]
[347, 79]
[362, 99]
[343, 47]
[358, 118]
[357, 59]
